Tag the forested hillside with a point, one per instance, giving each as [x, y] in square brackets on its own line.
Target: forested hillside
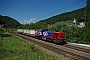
[78, 14]
[73, 33]
[8, 21]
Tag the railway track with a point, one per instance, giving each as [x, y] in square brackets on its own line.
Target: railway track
[76, 52]
[77, 48]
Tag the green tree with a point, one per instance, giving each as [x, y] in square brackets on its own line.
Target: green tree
[79, 14]
[9, 22]
[83, 34]
[88, 14]
[64, 27]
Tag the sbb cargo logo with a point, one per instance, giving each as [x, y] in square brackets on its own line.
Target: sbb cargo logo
[39, 33]
[45, 33]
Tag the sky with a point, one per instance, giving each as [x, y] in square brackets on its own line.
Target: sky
[35, 10]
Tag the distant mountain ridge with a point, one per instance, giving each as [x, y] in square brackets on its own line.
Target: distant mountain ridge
[78, 14]
[9, 22]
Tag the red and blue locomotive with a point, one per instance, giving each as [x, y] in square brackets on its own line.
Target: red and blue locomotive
[57, 37]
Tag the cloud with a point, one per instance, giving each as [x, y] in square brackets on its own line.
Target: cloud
[25, 21]
[29, 21]
[33, 19]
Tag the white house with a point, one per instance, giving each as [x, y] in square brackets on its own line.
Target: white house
[76, 23]
[81, 25]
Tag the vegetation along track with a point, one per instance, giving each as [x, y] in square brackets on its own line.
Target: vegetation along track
[77, 55]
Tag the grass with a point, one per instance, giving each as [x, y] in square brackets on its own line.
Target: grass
[13, 48]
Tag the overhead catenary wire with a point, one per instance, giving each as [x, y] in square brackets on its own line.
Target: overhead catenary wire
[49, 13]
[33, 7]
[37, 6]
[60, 9]
[30, 9]
[23, 7]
